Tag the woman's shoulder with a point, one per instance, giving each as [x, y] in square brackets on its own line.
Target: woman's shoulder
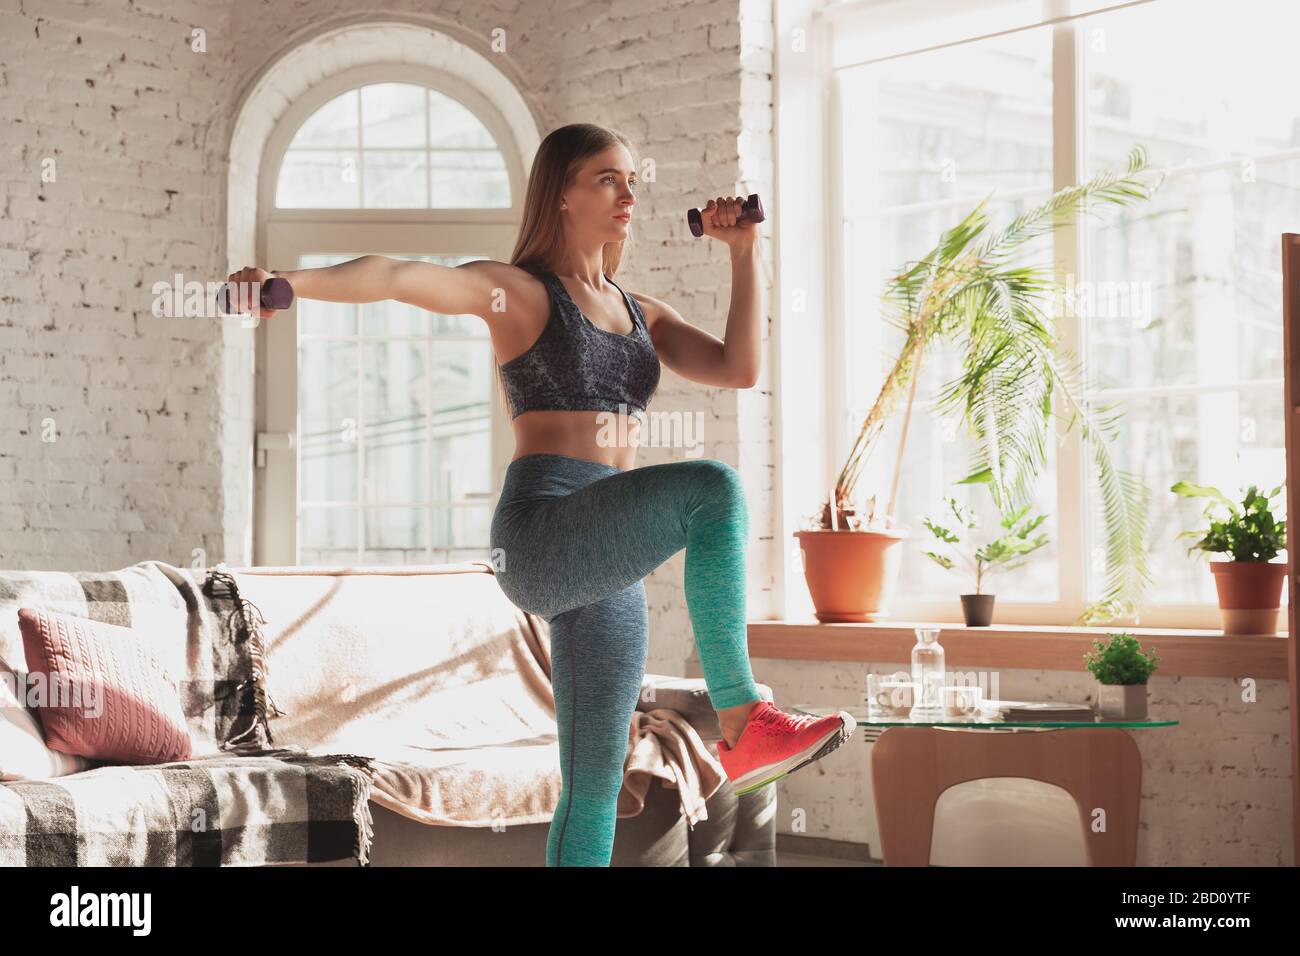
[506, 273]
[515, 296]
[504, 278]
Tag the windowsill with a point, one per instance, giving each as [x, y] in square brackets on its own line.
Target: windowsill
[1183, 652]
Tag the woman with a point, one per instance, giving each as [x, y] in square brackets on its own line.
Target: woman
[577, 526]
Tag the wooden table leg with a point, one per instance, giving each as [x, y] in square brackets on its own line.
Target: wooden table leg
[1100, 767]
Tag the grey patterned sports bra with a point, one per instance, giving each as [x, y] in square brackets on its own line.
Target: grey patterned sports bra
[575, 365]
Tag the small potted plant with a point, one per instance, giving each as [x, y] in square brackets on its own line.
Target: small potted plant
[1249, 584]
[1122, 671]
[1005, 553]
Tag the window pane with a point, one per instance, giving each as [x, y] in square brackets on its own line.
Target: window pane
[462, 423]
[420, 429]
[414, 148]
[393, 114]
[1220, 88]
[396, 180]
[452, 126]
[462, 417]
[327, 413]
[925, 139]
[395, 429]
[396, 536]
[327, 536]
[326, 318]
[951, 124]
[1183, 289]
[469, 178]
[391, 317]
[318, 179]
[333, 126]
[1180, 301]
[462, 527]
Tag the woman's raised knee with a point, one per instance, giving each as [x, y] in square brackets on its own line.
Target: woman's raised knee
[721, 479]
[720, 489]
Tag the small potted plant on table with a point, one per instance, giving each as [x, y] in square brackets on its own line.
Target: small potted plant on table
[999, 554]
[1122, 671]
[1249, 585]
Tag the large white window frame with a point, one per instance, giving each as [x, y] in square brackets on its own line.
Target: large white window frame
[826, 27]
[286, 234]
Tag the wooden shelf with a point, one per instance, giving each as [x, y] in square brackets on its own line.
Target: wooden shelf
[1183, 652]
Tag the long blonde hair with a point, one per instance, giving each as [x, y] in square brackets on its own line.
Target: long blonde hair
[541, 234]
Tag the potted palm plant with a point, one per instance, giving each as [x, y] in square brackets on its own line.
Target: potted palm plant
[970, 290]
[1249, 584]
[1122, 671]
[1005, 553]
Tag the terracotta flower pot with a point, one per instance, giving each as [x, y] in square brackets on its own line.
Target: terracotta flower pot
[978, 609]
[851, 574]
[1250, 594]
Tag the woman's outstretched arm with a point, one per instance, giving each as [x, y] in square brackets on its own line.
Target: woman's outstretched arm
[466, 289]
[366, 279]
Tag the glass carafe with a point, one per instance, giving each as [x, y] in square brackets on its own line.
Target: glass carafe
[928, 675]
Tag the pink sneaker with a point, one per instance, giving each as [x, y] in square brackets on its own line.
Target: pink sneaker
[774, 744]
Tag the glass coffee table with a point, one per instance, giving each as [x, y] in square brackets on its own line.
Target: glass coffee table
[914, 761]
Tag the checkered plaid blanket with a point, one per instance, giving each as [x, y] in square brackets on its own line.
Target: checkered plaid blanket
[280, 806]
[238, 800]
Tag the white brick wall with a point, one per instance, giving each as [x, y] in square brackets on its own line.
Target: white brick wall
[113, 95]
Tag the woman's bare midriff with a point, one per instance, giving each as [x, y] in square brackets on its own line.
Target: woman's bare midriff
[605, 437]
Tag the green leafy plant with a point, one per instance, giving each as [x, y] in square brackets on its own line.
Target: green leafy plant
[1121, 661]
[973, 291]
[1005, 553]
[1249, 533]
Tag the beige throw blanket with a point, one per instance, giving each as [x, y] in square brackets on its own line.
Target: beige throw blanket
[664, 745]
[433, 672]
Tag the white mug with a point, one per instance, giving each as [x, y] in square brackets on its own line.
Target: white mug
[896, 697]
[962, 700]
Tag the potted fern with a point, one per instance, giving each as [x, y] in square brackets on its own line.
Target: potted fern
[1005, 553]
[1122, 671]
[970, 291]
[1249, 584]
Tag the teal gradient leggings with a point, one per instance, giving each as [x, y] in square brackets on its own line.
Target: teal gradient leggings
[576, 538]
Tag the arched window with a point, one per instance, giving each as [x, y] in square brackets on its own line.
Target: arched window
[393, 145]
[399, 438]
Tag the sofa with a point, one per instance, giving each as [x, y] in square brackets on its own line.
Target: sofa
[437, 687]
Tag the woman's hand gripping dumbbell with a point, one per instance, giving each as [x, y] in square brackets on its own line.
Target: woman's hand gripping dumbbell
[726, 217]
[275, 293]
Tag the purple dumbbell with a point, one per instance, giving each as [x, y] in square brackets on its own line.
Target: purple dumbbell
[750, 209]
[276, 294]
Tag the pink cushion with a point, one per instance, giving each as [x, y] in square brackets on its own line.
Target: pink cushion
[107, 696]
